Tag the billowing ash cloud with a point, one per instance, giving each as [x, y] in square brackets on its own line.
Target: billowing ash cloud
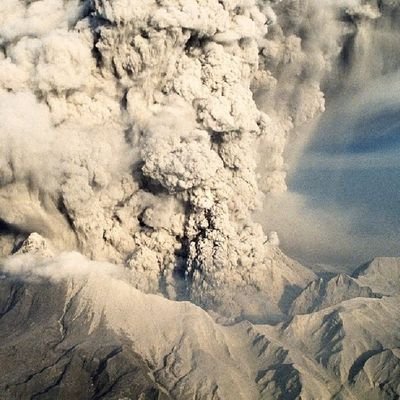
[147, 133]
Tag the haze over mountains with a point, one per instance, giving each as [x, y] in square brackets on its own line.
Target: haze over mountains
[139, 143]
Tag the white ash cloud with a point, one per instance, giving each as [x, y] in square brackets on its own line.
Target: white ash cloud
[36, 261]
[148, 133]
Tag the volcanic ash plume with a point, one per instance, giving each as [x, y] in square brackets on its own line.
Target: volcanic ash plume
[132, 131]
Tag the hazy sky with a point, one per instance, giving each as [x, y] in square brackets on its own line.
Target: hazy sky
[344, 190]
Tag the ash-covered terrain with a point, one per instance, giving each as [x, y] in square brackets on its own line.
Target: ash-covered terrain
[71, 328]
[139, 141]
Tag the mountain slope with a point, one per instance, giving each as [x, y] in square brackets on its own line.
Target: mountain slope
[71, 328]
[323, 293]
[382, 274]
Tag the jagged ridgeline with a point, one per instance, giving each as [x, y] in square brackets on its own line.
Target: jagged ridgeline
[143, 135]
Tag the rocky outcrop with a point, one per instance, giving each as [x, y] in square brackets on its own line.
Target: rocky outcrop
[323, 293]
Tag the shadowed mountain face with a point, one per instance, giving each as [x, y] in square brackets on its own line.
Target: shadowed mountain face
[49, 354]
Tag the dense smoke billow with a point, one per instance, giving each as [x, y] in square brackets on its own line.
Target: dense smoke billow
[149, 133]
